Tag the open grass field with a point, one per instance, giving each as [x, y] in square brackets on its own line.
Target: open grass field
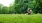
[20, 18]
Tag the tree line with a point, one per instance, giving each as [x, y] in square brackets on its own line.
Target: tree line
[21, 6]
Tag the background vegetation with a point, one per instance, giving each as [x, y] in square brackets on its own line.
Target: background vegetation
[21, 6]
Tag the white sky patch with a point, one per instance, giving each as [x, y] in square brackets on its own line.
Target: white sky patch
[6, 2]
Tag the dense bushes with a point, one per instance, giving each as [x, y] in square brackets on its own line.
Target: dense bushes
[21, 6]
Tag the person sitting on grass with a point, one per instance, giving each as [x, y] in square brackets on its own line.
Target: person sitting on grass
[29, 11]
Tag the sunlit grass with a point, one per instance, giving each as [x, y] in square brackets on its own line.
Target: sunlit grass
[20, 18]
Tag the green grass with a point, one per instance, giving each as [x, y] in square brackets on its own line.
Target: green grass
[20, 18]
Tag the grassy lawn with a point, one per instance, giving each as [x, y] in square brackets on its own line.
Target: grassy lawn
[20, 18]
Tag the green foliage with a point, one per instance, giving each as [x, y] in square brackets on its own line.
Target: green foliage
[0, 7]
[21, 6]
[4, 10]
[38, 9]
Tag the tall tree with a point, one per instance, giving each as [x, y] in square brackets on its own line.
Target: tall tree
[21, 6]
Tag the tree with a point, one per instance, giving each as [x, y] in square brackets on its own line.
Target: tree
[4, 10]
[21, 6]
[1, 8]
